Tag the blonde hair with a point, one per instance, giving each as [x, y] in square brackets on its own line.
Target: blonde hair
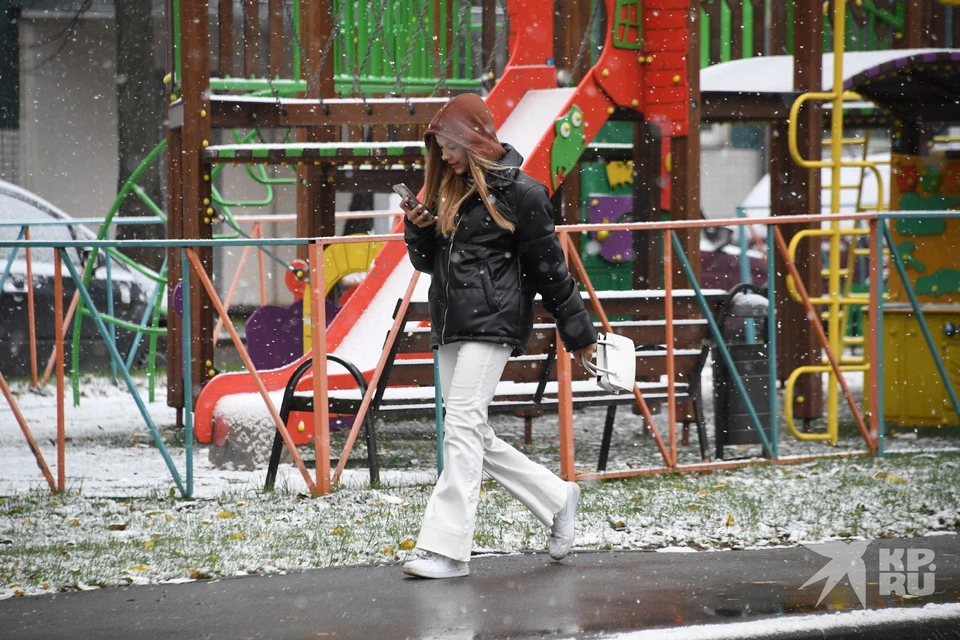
[445, 191]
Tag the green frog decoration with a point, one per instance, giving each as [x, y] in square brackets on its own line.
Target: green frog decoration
[567, 146]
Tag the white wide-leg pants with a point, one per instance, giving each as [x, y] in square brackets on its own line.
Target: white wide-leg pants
[469, 373]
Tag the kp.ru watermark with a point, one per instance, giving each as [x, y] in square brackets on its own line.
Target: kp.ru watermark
[907, 572]
[901, 571]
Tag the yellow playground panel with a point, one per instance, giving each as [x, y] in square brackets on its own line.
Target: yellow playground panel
[339, 260]
[915, 394]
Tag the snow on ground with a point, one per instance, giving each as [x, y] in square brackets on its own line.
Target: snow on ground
[118, 524]
[793, 626]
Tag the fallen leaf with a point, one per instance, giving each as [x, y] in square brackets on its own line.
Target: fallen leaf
[118, 526]
[225, 514]
[238, 536]
[407, 544]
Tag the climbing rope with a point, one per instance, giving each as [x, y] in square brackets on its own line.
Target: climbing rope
[377, 31]
[463, 8]
[594, 15]
[421, 22]
[488, 73]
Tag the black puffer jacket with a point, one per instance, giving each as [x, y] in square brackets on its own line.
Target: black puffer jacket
[485, 278]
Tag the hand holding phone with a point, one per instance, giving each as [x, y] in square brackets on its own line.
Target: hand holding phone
[410, 201]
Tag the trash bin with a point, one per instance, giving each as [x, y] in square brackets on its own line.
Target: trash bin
[731, 416]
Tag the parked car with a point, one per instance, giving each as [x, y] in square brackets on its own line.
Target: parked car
[131, 290]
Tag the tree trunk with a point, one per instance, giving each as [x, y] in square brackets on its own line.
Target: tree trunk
[139, 121]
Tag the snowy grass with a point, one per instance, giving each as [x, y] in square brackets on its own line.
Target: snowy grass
[54, 543]
[118, 523]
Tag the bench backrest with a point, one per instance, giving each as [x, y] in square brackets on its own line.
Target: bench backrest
[635, 314]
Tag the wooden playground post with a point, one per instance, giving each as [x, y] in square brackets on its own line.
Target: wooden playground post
[647, 169]
[225, 38]
[316, 188]
[195, 178]
[175, 395]
[796, 191]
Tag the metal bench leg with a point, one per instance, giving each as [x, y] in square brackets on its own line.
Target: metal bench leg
[607, 435]
[370, 433]
[685, 434]
[528, 429]
[275, 454]
[701, 431]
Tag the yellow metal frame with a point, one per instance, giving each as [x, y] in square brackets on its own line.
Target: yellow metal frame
[835, 301]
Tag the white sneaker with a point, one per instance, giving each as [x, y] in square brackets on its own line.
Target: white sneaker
[434, 565]
[561, 533]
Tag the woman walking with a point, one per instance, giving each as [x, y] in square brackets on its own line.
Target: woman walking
[486, 237]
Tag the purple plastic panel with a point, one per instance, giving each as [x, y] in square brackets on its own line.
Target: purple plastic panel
[275, 335]
[616, 246]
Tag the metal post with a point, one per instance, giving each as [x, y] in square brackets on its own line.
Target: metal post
[724, 352]
[186, 343]
[131, 387]
[772, 341]
[875, 375]
[58, 349]
[111, 311]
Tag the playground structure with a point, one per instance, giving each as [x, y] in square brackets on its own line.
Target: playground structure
[648, 76]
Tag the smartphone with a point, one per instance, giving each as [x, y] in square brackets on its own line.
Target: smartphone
[409, 198]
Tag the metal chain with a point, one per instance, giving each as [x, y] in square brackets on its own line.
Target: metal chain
[377, 30]
[421, 23]
[314, 78]
[487, 74]
[586, 38]
[457, 41]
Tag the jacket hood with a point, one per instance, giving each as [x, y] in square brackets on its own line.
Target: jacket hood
[509, 168]
[466, 120]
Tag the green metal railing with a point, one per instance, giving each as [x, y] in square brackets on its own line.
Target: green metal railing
[868, 27]
[380, 46]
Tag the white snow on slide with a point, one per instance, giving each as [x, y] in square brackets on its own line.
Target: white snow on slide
[541, 105]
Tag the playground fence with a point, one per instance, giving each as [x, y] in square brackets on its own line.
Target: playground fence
[870, 427]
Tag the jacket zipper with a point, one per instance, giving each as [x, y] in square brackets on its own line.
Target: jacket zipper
[446, 285]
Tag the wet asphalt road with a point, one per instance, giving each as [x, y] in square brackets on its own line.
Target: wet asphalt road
[518, 596]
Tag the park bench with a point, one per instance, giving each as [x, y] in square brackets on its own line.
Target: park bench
[529, 383]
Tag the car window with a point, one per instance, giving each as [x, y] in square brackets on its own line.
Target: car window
[19, 207]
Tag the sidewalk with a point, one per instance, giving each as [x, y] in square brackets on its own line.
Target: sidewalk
[519, 596]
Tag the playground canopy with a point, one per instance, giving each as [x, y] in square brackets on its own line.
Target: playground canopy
[921, 81]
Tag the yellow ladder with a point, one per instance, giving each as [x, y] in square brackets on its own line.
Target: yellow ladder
[836, 301]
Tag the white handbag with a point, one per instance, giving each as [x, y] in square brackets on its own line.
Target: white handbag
[616, 367]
